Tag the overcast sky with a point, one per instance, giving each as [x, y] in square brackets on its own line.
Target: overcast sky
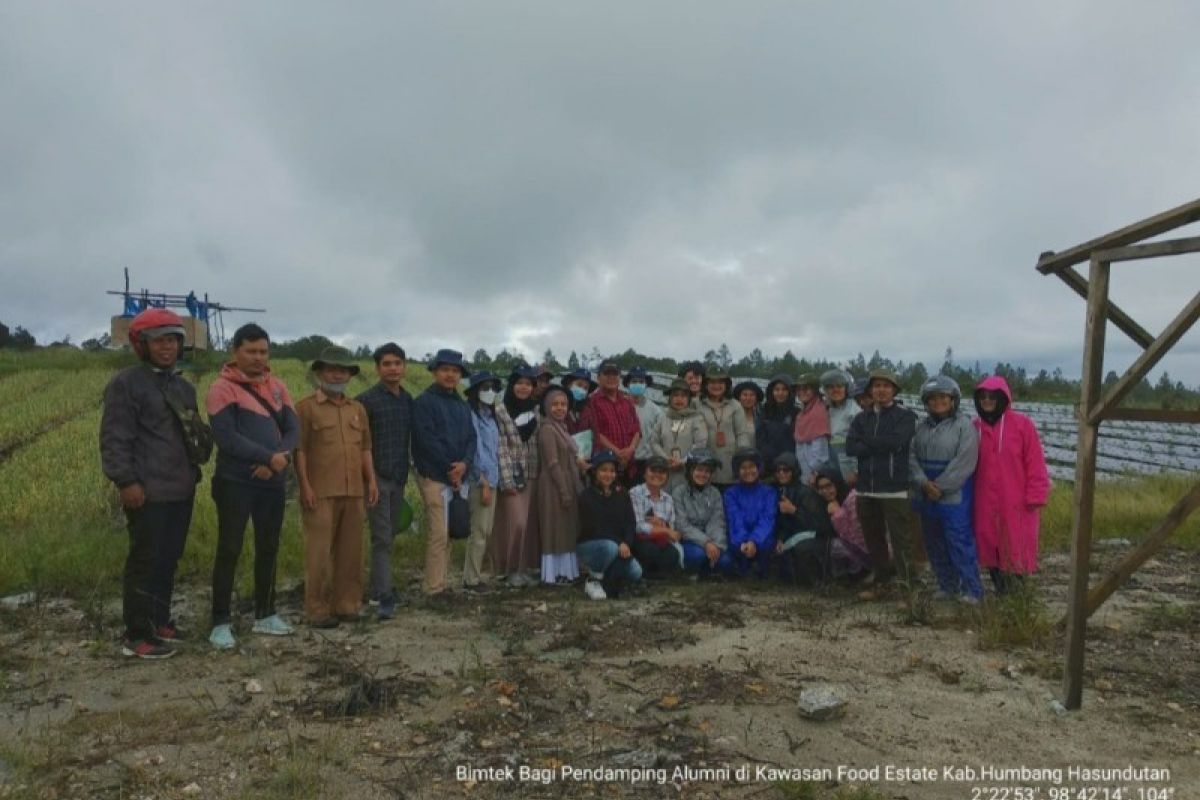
[826, 177]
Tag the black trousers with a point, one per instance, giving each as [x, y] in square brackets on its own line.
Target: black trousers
[157, 535]
[237, 504]
[656, 560]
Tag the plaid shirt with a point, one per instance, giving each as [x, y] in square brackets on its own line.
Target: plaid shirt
[515, 456]
[613, 418]
[391, 430]
[644, 504]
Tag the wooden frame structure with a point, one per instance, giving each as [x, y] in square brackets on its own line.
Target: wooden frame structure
[1096, 406]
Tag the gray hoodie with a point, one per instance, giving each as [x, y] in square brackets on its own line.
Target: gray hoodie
[947, 449]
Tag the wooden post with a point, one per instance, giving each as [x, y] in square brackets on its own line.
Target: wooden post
[1085, 483]
[1175, 517]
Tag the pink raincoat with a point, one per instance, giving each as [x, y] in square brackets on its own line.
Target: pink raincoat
[1011, 486]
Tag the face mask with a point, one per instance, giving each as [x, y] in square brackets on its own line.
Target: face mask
[333, 388]
[579, 393]
[637, 389]
[487, 396]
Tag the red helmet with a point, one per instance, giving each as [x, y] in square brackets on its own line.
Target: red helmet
[152, 323]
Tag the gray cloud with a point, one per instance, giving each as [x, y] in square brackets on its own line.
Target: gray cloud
[829, 178]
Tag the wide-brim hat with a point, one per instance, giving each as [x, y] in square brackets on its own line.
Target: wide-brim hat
[810, 379]
[719, 375]
[658, 463]
[884, 375]
[678, 385]
[603, 457]
[450, 358]
[744, 385]
[637, 374]
[745, 454]
[481, 377]
[336, 357]
[580, 374]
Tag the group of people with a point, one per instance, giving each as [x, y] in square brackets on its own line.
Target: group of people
[560, 480]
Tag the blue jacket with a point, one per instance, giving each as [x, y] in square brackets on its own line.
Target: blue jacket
[442, 433]
[750, 515]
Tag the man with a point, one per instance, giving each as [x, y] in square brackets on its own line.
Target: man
[443, 449]
[638, 382]
[613, 420]
[143, 452]
[255, 428]
[880, 438]
[336, 472]
[390, 410]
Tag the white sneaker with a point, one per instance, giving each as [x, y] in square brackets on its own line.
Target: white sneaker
[594, 590]
[940, 595]
[222, 637]
[968, 600]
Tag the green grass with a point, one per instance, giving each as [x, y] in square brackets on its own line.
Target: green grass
[61, 528]
[1128, 508]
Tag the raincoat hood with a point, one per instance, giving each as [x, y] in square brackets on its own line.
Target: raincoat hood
[995, 383]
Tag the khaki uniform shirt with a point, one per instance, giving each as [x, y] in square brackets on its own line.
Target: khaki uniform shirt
[333, 437]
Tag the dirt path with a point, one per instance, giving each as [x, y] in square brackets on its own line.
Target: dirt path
[697, 676]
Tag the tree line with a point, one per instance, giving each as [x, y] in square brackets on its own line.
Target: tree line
[1044, 385]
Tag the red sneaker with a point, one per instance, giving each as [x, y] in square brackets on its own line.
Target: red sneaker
[168, 632]
[146, 648]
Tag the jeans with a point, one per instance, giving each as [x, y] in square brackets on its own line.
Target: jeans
[383, 533]
[237, 504]
[157, 535]
[696, 560]
[601, 558]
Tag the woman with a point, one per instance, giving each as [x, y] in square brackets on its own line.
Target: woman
[811, 431]
[726, 423]
[700, 517]
[657, 542]
[750, 510]
[557, 490]
[848, 555]
[803, 531]
[638, 382]
[835, 383]
[773, 434]
[749, 396]
[483, 475]
[606, 531]
[578, 385]
[513, 551]
[945, 450]
[692, 373]
[680, 430]
[1011, 486]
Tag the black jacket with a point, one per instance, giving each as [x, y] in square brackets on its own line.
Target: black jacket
[880, 440]
[810, 513]
[141, 440]
[606, 517]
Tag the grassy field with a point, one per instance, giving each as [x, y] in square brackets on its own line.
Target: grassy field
[62, 532]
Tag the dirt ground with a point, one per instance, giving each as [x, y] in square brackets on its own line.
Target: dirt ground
[700, 676]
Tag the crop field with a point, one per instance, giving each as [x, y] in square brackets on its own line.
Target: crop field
[60, 524]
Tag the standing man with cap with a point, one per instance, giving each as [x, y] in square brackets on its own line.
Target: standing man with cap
[390, 412]
[256, 429]
[880, 439]
[613, 420]
[443, 448]
[143, 452]
[336, 472]
[637, 383]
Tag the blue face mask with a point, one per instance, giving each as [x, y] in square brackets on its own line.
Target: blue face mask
[637, 389]
[579, 393]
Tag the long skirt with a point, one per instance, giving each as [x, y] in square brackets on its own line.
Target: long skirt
[514, 545]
